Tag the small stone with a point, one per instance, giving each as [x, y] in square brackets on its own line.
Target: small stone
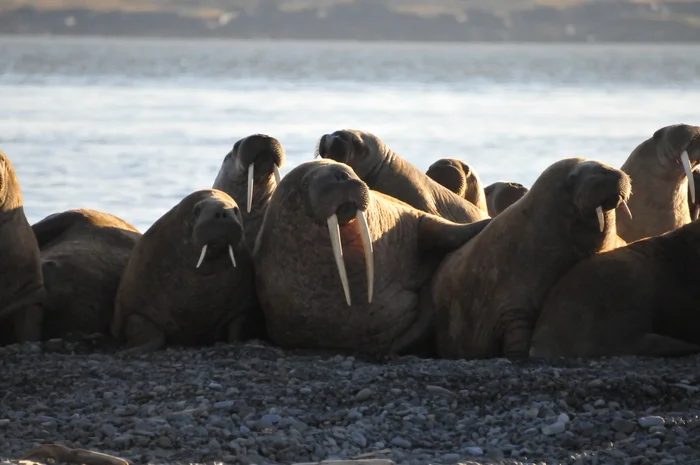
[450, 458]
[595, 383]
[215, 386]
[354, 415]
[4, 422]
[164, 442]
[108, 395]
[439, 390]
[648, 422]
[363, 395]
[359, 439]
[554, 428]
[599, 403]
[623, 426]
[244, 429]
[224, 404]
[563, 418]
[532, 413]
[398, 441]
[474, 450]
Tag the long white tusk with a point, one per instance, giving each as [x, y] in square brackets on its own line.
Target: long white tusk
[276, 170]
[601, 218]
[251, 170]
[688, 174]
[369, 252]
[696, 213]
[626, 208]
[334, 232]
[230, 254]
[201, 256]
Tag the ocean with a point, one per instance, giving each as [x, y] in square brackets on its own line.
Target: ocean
[131, 126]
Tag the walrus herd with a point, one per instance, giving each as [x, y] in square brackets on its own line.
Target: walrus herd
[361, 251]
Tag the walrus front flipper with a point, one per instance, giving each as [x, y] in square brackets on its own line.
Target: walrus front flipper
[28, 323]
[54, 225]
[656, 345]
[419, 339]
[437, 234]
[142, 336]
[517, 333]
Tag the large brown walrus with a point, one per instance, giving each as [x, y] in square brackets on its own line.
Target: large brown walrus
[460, 178]
[642, 299]
[83, 255]
[661, 171]
[339, 266]
[386, 172]
[501, 195]
[488, 294]
[21, 282]
[250, 174]
[189, 281]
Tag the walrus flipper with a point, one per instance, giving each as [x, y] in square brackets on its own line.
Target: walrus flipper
[517, 333]
[54, 225]
[142, 336]
[419, 339]
[28, 323]
[438, 234]
[656, 345]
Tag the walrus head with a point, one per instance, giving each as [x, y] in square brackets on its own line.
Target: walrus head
[257, 156]
[596, 187]
[678, 147]
[502, 194]
[450, 173]
[217, 229]
[360, 150]
[10, 194]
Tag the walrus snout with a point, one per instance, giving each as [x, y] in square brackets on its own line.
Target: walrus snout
[262, 154]
[217, 229]
[602, 188]
[334, 147]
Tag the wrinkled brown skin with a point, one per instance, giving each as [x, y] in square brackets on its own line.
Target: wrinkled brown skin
[264, 151]
[460, 178]
[641, 299]
[488, 294]
[297, 277]
[659, 200]
[164, 299]
[501, 195]
[83, 255]
[386, 172]
[21, 282]
[695, 208]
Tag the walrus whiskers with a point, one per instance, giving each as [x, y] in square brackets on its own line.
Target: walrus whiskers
[685, 161]
[334, 232]
[251, 170]
[230, 254]
[201, 256]
[369, 252]
[601, 218]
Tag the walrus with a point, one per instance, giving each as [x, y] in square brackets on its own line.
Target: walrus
[249, 174]
[83, 255]
[501, 195]
[21, 282]
[694, 207]
[460, 178]
[339, 266]
[386, 172]
[487, 294]
[661, 171]
[189, 280]
[641, 299]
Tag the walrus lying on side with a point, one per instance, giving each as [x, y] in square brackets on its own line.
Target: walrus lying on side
[460, 178]
[661, 171]
[641, 299]
[488, 294]
[373, 297]
[83, 255]
[501, 195]
[189, 281]
[21, 282]
[249, 174]
[386, 172]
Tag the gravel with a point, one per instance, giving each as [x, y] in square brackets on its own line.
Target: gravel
[256, 404]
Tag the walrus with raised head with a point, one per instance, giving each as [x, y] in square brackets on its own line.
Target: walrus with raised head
[21, 282]
[386, 172]
[83, 255]
[501, 195]
[249, 174]
[189, 281]
[460, 178]
[488, 294]
[661, 171]
[641, 299]
[339, 266]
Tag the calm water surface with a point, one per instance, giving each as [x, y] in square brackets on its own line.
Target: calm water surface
[132, 126]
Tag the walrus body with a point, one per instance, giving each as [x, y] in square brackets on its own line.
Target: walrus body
[501, 195]
[460, 178]
[83, 255]
[374, 297]
[250, 174]
[386, 172]
[21, 282]
[660, 168]
[487, 294]
[641, 299]
[189, 280]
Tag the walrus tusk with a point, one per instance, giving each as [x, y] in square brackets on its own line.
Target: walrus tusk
[688, 174]
[201, 256]
[369, 252]
[601, 218]
[276, 170]
[251, 170]
[334, 232]
[696, 213]
[626, 208]
[230, 254]
[64, 454]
